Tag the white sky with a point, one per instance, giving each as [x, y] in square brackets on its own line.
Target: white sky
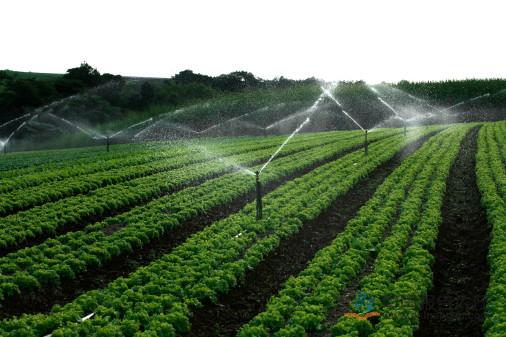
[334, 40]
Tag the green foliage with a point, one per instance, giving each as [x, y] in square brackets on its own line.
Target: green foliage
[452, 91]
[214, 258]
[490, 172]
[160, 172]
[22, 91]
[306, 300]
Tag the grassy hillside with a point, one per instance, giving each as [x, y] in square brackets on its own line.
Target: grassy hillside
[30, 75]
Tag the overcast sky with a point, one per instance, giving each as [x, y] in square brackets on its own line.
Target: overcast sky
[378, 40]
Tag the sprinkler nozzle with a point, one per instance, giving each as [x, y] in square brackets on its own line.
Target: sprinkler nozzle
[258, 195]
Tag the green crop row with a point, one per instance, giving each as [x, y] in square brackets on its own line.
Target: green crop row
[74, 167]
[71, 254]
[304, 303]
[139, 156]
[157, 300]
[46, 219]
[26, 163]
[21, 199]
[491, 179]
[402, 274]
[20, 163]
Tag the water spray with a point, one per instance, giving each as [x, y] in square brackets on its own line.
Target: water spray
[422, 101]
[80, 320]
[329, 95]
[309, 112]
[257, 173]
[14, 120]
[259, 205]
[108, 138]
[466, 101]
[75, 126]
[131, 127]
[15, 131]
[224, 122]
[284, 143]
[397, 115]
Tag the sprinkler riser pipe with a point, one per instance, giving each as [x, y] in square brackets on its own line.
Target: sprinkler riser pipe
[259, 206]
[107, 140]
[405, 130]
[366, 144]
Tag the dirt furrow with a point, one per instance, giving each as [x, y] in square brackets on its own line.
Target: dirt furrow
[455, 305]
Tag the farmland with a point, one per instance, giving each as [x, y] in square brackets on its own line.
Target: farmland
[161, 238]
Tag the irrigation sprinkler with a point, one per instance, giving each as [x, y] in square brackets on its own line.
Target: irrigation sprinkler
[396, 114]
[259, 195]
[107, 141]
[366, 143]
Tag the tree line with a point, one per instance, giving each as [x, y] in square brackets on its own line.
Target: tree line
[19, 95]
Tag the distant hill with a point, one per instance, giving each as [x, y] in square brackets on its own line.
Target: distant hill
[30, 75]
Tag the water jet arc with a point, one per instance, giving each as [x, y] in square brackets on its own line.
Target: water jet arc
[284, 143]
[397, 115]
[329, 95]
[466, 101]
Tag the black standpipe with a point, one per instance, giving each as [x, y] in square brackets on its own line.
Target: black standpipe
[259, 195]
[5, 148]
[405, 129]
[366, 144]
[107, 140]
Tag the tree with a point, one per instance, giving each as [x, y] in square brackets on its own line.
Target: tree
[147, 93]
[84, 73]
[189, 77]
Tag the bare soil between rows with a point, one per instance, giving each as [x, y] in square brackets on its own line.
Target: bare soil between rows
[456, 303]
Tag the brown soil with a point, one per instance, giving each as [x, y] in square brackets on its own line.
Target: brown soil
[455, 305]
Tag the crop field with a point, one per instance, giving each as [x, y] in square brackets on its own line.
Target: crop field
[402, 233]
